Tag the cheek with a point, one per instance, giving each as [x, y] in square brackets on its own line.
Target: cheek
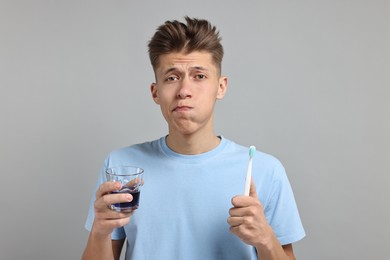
[166, 93]
[164, 103]
[208, 104]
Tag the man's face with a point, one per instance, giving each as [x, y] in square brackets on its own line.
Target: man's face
[187, 88]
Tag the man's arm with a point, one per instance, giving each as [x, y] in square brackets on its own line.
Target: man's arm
[288, 249]
[275, 253]
[100, 245]
[248, 222]
[102, 248]
[117, 247]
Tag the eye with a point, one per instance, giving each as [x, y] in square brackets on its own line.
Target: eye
[172, 78]
[200, 76]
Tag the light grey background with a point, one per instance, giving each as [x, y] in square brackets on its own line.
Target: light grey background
[309, 83]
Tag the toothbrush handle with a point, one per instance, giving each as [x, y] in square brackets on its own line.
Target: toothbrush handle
[248, 178]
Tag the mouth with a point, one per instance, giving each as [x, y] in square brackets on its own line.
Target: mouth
[182, 109]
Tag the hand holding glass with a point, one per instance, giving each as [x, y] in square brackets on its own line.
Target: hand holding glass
[131, 178]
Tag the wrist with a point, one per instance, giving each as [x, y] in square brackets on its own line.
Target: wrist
[268, 242]
[99, 234]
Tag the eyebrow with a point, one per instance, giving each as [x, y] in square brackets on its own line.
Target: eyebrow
[191, 68]
[200, 68]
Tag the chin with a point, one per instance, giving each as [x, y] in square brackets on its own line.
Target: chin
[184, 128]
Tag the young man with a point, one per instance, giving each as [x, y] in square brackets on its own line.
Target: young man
[190, 207]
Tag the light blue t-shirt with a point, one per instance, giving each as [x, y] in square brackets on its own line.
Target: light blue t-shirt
[185, 202]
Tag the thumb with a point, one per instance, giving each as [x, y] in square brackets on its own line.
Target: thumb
[252, 190]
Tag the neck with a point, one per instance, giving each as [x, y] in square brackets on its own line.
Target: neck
[191, 145]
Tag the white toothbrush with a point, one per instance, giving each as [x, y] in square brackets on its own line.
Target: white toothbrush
[252, 151]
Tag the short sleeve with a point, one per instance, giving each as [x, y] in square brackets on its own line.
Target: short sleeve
[281, 210]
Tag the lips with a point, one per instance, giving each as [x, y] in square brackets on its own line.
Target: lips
[182, 108]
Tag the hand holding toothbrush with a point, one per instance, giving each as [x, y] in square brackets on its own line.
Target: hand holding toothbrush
[248, 222]
[247, 219]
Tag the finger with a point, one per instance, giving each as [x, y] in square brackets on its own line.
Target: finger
[106, 188]
[135, 182]
[119, 222]
[109, 199]
[241, 201]
[237, 212]
[252, 191]
[236, 201]
[109, 214]
[238, 231]
[110, 224]
[235, 221]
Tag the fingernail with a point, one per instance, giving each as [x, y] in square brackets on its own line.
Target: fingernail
[129, 197]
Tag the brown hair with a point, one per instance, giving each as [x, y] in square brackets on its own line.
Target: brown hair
[175, 36]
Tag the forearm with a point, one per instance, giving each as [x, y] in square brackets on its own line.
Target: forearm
[270, 249]
[98, 247]
[274, 253]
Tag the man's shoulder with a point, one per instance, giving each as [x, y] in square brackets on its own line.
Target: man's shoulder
[259, 154]
[144, 147]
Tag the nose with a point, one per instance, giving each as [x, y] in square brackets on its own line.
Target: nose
[184, 90]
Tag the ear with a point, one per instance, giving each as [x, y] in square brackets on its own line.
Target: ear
[222, 88]
[153, 91]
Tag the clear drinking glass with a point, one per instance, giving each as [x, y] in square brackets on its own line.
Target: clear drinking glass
[131, 178]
